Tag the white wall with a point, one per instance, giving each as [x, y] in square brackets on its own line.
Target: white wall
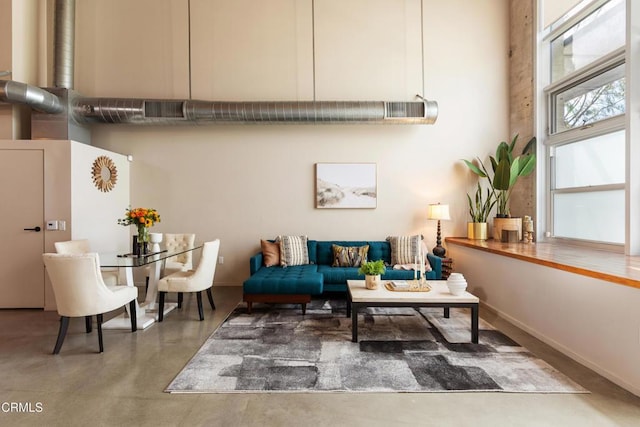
[593, 321]
[367, 49]
[244, 183]
[132, 49]
[94, 213]
[264, 48]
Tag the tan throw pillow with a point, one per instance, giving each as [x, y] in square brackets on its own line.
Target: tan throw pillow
[349, 256]
[270, 253]
[404, 249]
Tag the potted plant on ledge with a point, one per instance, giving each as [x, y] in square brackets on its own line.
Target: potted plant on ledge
[479, 210]
[372, 271]
[506, 171]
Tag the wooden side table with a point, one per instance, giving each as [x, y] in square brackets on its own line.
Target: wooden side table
[447, 267]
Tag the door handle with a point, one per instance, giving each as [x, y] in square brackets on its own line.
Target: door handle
[36, 229]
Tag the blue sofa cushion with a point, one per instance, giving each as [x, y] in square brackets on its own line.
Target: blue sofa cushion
[312, 247]
[299, 279]
[339, 274]
[380, 250]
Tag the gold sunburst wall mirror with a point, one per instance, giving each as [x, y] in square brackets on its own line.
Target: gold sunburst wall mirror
[105, 173]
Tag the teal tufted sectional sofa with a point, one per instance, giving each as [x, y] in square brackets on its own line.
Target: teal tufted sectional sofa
[296, 284]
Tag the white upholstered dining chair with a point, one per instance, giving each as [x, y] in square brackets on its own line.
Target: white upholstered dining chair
[80, 292]
[82, 246]
[182, 262]
[176, 242]
[197, 280]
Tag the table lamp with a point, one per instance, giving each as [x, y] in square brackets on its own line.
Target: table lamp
[438, 211]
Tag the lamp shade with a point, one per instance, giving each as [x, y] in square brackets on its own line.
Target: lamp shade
[438, 211]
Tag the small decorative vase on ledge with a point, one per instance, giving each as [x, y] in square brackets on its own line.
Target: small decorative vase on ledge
[477, 230]
[509, 225]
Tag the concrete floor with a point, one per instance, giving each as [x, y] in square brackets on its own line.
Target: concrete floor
[124, 385]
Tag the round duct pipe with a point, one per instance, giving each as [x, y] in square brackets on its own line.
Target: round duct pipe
[37, 98]
[64, 42]
[154, 111]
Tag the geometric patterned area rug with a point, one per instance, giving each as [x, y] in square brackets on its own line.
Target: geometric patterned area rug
[277, 349]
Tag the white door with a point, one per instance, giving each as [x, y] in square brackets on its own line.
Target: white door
[21, 228]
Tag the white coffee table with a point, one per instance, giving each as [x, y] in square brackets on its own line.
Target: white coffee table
[439, 296]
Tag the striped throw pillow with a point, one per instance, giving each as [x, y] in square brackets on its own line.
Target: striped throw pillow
[293, 250]
[404, 249]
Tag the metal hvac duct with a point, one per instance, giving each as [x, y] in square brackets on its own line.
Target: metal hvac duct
[69, 112]
[140, 111]
[40, 99]
[37, 98]
[64, 43]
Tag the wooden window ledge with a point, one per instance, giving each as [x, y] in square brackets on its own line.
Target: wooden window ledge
[609, 266]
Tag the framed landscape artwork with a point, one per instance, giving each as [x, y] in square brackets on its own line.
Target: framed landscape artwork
[346, 186]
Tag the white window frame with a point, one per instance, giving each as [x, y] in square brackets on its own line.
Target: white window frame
[546, 108]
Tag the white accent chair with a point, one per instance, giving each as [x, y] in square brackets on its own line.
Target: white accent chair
[182, 262]
[192, 281]
[80, 292]
[81, 246]
[177, 242]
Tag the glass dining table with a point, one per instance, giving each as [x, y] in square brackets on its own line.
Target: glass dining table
[147, 312]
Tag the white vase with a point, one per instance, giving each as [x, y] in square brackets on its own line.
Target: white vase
[372, 282]
[155, 239]
[457, 284]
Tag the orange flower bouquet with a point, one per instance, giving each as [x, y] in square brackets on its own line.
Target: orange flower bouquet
[142, 218]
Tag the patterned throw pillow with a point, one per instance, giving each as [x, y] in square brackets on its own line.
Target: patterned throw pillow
[349, 256]
[293, 250]
[404, 249]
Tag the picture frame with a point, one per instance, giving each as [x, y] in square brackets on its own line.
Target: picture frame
[346, 186]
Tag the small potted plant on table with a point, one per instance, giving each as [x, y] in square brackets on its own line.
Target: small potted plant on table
[372, 271]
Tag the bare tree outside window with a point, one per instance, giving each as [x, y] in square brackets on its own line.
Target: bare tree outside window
[595, 105]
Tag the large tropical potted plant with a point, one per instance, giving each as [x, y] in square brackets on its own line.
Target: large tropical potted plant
[479, 209]
[506, 169]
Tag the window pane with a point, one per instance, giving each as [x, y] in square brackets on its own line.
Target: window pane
[598, 34]
[596, 216]
[594, 161]
[598, 98]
